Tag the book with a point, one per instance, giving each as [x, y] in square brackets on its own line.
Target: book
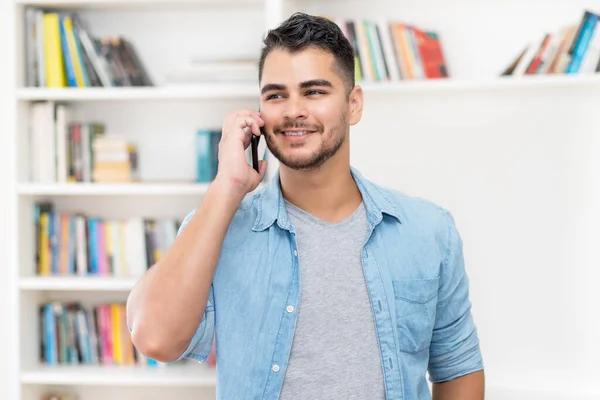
[207, 154]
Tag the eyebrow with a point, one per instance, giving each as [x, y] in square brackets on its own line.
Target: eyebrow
[315, 82]
[306, 84]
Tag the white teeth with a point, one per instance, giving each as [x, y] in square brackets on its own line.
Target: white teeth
[295, 133]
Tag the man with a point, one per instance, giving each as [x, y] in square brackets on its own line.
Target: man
[322, 285]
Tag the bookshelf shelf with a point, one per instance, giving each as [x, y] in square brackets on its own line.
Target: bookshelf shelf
[77, 283]
[188, 92]
[170, 375]
[116, 189]
[204, 92]
[482, 85]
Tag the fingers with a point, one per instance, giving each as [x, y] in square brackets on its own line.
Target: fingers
[256, 115]
[249, 118]
[241, 126]
[262, 168]
[248, 121]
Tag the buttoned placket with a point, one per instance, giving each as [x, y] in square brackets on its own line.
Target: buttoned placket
[283, 343]
[392, 373]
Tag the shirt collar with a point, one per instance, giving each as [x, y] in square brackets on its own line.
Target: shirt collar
[271, 205]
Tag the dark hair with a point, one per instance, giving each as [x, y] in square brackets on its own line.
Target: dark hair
[301, 31]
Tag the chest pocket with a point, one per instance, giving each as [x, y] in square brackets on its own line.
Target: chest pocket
[415, 301]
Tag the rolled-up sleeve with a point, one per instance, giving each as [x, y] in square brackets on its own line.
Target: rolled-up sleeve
[454, 349]
[201, 343]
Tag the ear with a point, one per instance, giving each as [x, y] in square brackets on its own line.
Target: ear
[355, 103]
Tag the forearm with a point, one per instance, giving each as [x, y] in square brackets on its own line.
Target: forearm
[166, 306]
[467, 387]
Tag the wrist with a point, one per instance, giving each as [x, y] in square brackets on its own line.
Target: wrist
[227, 191]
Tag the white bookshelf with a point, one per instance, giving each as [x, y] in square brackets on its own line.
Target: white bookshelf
[164, 115]
[172, 376]
[198, 92]
[117, 189]
[453, 136]
[77, 283]
[203, 92]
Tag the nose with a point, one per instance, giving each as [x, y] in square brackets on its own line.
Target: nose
[295, 108]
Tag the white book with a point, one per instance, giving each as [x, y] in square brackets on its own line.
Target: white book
[550, 52]
[62, 143]
[592, 54]
[81, 245]
[39, 47]
[135, 245]
[388, 50]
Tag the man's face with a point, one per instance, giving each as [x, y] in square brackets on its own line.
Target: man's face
[304, 106]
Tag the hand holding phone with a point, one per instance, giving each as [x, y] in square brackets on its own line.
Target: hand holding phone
[240, 129]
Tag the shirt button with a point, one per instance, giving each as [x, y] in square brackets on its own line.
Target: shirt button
[275, 368]
[295, 253]
[290, 309]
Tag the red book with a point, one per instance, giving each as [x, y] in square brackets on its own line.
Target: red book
[432, 55]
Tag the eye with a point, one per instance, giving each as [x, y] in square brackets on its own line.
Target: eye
[314, 91]
[272, 96]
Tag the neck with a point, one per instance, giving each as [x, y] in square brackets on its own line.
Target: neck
[329, 193]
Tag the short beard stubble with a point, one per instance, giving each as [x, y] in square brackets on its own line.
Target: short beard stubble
[325, 152]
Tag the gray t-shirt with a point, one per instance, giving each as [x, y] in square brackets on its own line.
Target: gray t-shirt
[335, 354]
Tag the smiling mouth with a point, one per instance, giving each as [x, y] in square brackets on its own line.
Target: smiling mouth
[296, 133]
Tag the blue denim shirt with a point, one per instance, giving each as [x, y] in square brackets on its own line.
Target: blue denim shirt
[415, 275]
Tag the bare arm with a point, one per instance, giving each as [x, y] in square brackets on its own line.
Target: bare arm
[166, 306]
[467, 387]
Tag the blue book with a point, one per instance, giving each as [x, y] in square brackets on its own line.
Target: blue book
[68, 61]
[582, 42]
[204, 160]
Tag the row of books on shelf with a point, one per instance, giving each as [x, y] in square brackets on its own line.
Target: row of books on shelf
[75, 334]
[571, 49]
[63, 150]
[61, 52]
[392, 51]
[75, 244]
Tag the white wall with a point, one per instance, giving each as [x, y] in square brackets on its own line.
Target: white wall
[520, 173]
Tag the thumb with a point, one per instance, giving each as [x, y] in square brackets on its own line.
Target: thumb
[262, 169]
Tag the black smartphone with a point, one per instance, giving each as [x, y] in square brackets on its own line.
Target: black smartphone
[254, 141]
